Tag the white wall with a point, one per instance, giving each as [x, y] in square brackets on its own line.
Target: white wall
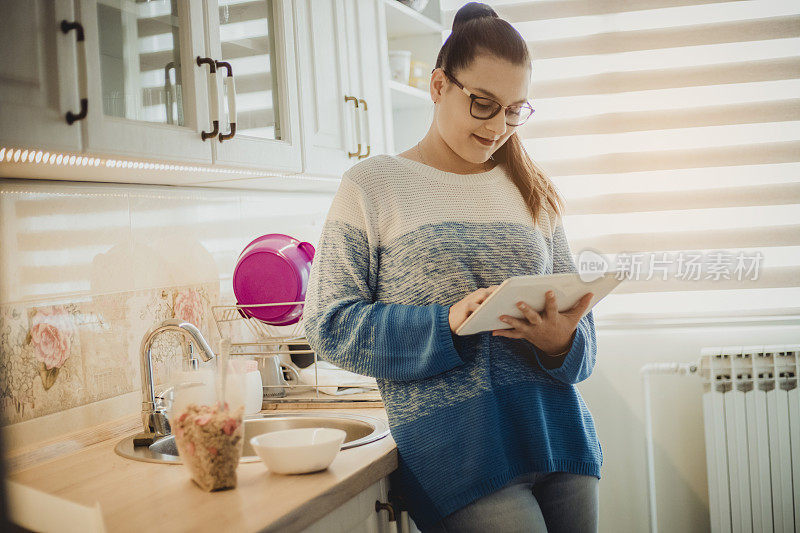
[615, 397]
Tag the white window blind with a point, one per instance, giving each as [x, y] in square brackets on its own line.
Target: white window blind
[672, 127]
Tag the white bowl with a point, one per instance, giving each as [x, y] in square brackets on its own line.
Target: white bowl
[298, 451]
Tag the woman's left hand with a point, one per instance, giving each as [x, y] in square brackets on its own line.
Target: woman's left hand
[550, 331]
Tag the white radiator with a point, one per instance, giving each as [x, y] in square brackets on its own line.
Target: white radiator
[751, 412]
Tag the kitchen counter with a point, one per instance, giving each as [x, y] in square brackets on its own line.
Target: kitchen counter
[138, 496]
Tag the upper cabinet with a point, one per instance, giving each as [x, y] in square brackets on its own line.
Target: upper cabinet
[369, 72]
[340, 56]
[194, 81]
[193, 91]
[328, 117]
[38, 76]
[253, 43]
[147, 95]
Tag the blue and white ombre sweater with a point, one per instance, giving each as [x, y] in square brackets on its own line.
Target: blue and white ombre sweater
[402, 242]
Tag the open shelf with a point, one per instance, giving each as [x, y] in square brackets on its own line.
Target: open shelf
[405, 96]
[402, 21]
[420, 33]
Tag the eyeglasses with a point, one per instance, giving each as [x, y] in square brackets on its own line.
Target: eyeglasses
[485, 108]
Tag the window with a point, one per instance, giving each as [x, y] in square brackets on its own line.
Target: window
[672, 128]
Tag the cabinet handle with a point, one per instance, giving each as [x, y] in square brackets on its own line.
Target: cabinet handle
[214, 100]
[358, 125]
[77, 26]
[379, 506]
[66, 27]
[168, 92]
[360, 155]
[230, 88]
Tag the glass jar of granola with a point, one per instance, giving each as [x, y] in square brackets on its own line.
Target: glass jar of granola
[207, 421]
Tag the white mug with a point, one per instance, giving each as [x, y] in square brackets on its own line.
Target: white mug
[271, 368]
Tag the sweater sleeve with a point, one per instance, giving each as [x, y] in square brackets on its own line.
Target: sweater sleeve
[579, 362]
[344, 324]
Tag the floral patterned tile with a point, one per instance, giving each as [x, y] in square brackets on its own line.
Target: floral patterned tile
[18, 367]
[43, 373]
[151, 307]
[56, 357]
[108, 370]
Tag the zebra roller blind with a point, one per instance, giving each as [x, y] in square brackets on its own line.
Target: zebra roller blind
[672, 129]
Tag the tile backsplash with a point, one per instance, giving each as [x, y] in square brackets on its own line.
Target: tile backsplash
[87, 268]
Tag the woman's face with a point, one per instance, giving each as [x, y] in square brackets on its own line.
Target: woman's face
[488, 76]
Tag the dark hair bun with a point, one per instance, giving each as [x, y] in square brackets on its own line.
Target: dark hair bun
[472, 11]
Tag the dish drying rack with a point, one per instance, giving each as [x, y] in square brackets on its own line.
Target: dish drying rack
[267, 340]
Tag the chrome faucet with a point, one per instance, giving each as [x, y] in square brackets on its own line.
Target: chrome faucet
[156, 424]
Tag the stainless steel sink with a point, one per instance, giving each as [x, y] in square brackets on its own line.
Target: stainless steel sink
[360, 430]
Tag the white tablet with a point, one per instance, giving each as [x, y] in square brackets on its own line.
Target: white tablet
[567, 287]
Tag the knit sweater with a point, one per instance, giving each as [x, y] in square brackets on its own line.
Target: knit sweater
[402, 242]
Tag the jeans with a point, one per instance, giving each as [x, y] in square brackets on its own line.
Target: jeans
[540, 502]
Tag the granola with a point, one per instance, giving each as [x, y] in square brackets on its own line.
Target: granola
[209, 441]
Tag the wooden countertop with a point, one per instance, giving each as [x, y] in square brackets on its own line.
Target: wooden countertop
[138, 496]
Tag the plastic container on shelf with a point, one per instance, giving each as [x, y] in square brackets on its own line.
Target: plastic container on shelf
[400, 65]
[420, 76]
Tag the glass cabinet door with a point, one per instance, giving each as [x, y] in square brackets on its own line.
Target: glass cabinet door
[147, 94]
[253, 42]
[140, 61]
[247, 42]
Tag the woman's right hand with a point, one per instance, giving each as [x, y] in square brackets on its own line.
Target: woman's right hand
[460, 310]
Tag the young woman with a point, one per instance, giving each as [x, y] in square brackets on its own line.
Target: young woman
[491, 432]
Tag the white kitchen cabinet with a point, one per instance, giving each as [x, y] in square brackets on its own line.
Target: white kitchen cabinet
[342, 73]
[328, 120]
[370, 71]
[157, 99]
[358, 514]
[38, 75]
[308, 85]
[147, 94]
[255, 43]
